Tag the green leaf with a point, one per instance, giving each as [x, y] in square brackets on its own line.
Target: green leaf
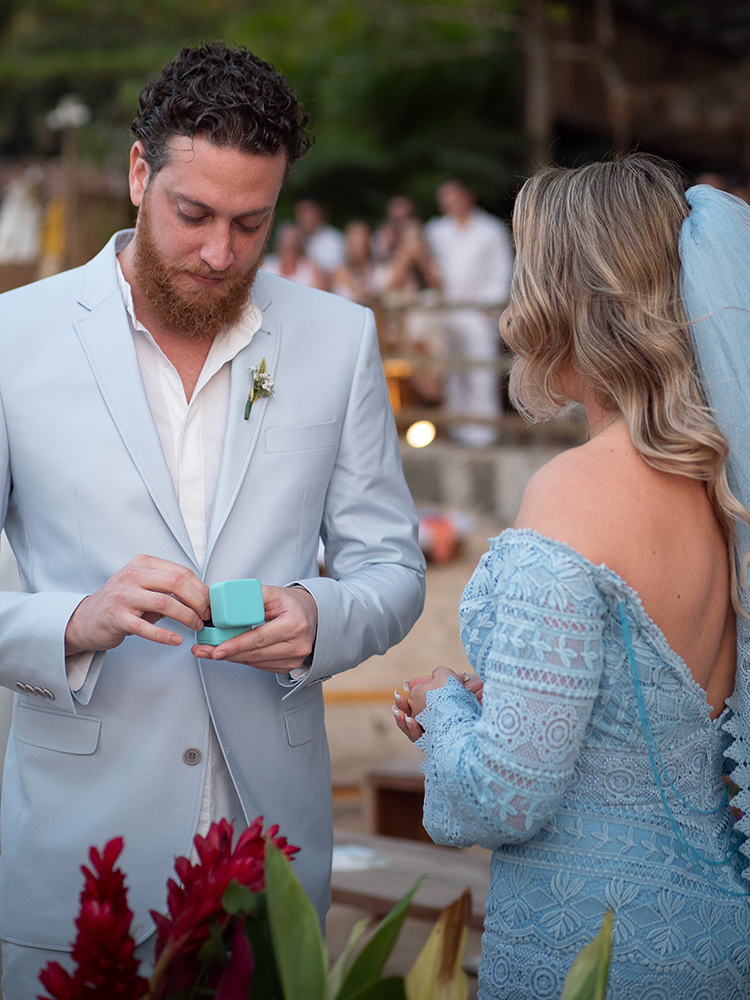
[238, 899]
[437, 973]
[336, 975]
[587, 979]
[369, 963]
[295, 933]
[382, 989]
[213, 948]
[266, 984]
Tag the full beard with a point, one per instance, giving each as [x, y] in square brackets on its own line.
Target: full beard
[200, 312]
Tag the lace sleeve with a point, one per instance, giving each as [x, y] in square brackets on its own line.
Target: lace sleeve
[532, 625]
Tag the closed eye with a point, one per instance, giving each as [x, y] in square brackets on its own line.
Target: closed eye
[192, 220]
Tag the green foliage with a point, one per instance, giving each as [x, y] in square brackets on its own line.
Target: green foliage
[300, 953]
[401, 93]
[438, 972]
[383, 989]
[342, 963]
[587, 979]
[295, 933]
[368, 965]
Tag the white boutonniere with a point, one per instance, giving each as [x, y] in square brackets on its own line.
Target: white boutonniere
[262, 385]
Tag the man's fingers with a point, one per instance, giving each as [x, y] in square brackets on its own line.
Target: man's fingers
[282, 642]
[188, 590]
[139, 626]
[160, 605]
[268, 642]
[279, 666]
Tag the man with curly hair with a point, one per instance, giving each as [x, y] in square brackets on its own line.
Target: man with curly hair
[133, 475]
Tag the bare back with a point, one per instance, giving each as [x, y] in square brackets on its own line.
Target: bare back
[658, 532]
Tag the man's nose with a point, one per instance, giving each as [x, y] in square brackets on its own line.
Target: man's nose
[217, 250]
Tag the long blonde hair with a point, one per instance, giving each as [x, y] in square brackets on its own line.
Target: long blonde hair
[596, 286]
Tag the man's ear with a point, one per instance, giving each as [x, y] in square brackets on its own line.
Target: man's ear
[139, 174]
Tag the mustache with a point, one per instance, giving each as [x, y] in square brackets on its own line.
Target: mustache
[204, 271]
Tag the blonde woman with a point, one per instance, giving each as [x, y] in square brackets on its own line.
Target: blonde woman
[607, 627]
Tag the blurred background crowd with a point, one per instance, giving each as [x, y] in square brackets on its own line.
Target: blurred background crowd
[427, 117]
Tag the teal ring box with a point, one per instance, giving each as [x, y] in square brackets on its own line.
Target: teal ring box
[236, 607]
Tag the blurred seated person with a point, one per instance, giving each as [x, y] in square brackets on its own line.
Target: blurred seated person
[411, 280]
[411, 268]
[323, 243]
[290, 260]
[354, 278]
[400, 211]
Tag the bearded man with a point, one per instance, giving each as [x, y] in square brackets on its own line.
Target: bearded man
[132, 476]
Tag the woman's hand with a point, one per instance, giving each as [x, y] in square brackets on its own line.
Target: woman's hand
[405, 710]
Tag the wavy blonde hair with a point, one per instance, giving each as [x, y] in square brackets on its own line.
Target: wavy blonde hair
[596, 286]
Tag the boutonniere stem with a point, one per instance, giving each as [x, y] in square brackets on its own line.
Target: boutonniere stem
[262, 385]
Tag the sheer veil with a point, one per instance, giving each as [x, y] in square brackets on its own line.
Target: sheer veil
[715, 257]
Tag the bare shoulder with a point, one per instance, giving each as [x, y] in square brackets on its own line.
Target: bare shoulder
[600, 496]
[560, 500]
[656, 530]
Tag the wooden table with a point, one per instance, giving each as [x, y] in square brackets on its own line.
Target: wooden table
[450, 871]
[394, 797]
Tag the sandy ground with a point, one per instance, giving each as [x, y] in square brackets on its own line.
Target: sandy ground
[362, 733]
[360, 725]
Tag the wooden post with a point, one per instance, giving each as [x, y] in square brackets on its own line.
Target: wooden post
[537, 76]
[619, 93]
[70, 174]
[69, 115]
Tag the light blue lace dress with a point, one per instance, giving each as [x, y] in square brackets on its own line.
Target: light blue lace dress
[589, 802]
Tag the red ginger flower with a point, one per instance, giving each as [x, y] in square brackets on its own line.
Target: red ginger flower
[236, 978]
[196, 903]
[104, 948]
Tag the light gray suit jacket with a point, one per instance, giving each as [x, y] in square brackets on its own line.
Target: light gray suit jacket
[84, 487]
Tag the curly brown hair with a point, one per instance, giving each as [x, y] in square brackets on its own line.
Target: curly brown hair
[227, 95]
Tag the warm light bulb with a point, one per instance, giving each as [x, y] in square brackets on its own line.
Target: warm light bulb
[420, 434]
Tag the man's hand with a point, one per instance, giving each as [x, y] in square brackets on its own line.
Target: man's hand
[282, 642]
[133, 600]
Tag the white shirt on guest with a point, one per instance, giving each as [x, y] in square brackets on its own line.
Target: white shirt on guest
[475, 259]
[327, 247]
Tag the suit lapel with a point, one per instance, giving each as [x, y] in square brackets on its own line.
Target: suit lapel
[242, 435]
[108, 344]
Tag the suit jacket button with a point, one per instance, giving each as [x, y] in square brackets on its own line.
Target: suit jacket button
[48, 694]
[38, 691]
[192, 755]
[20, 686]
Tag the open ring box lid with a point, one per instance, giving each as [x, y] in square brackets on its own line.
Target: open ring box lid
[236, 607]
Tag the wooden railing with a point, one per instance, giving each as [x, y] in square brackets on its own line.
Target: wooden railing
[401, 363]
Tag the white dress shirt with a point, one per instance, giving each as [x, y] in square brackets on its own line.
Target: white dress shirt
[192, 438]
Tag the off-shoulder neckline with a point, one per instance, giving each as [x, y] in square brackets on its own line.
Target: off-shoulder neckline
[603, 573]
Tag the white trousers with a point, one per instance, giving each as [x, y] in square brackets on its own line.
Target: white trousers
[473, 391]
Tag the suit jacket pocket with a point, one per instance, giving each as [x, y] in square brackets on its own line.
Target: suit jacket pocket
[304, 724]
[300, 437]
[55, 731]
